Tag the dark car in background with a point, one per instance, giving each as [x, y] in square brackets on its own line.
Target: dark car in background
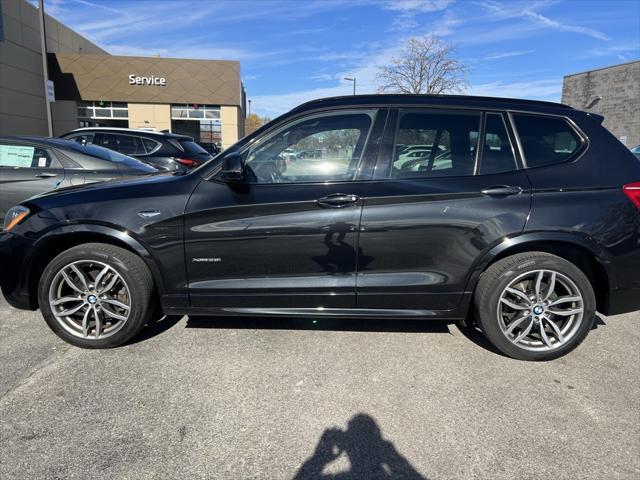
[33, 165]
[523, 220]
[162, 150]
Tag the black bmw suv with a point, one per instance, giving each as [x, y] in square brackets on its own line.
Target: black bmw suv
[162, 150]
[522, 217]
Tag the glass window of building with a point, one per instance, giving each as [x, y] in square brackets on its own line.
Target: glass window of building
[202, 122]
[105, 110]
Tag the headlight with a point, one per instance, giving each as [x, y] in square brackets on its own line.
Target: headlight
[14, 216]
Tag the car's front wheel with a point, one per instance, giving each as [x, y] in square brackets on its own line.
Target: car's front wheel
[96, 295]
[534, 306]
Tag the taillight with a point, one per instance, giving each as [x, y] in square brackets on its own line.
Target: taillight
[632, 190]
[187, 162]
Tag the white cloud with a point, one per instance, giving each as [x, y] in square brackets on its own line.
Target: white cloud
[564, 27]
[423, 6]
[409, 9]
[499, 56]
[613, 50]
[322, 77]
[503, 11]
[547, 89]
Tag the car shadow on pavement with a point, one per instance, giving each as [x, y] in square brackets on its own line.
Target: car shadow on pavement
[469, 329]
[155, 327]
[357, 453]
[331, 324]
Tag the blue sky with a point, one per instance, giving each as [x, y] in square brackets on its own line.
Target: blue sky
[292, 51]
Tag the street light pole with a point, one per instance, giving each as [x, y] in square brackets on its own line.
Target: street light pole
[45, 69]
[249, 101]
[352, 79]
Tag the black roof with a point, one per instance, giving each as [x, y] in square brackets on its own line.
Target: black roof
[435, 100]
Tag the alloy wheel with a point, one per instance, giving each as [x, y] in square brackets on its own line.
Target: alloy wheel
[90, 299]
[540, 310]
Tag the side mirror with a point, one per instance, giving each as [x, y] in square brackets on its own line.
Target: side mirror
[232, 167]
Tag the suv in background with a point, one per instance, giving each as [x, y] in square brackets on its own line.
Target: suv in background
[164, 151]
[523, 219]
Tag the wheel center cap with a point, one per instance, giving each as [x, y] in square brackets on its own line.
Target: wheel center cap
[92, 299]
[538, 310]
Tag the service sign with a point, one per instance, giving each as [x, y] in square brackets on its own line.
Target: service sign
[150, 80]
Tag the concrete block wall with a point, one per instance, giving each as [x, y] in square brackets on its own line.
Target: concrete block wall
[619, 89]
[22, 98]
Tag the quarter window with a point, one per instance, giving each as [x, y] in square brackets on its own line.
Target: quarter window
[150, 145]
[436, 143]
[546, 140]
[497, 154]
[322, 148]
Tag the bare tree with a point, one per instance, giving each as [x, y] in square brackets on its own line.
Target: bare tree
[427, 65]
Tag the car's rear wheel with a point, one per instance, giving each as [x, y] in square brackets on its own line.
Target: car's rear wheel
[534, 306]
[96, 295]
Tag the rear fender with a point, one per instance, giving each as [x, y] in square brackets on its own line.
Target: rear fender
[516, 244]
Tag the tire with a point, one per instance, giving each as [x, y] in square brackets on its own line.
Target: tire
[67, 282]
[559, 322]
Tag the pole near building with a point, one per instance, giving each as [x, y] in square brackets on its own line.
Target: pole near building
[45, 68]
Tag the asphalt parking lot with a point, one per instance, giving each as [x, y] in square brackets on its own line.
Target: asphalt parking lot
[283, 399]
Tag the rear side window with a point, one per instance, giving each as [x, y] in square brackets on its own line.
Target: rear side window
[25, 156]
[435, 143]
[546, 140]
[125, 144]
[497, 154]
[192, 147]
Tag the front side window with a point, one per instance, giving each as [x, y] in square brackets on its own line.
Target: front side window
[497, 154]
[125, 144]
[327, 147]
[24, 156]
[436, 143]
[546, 140]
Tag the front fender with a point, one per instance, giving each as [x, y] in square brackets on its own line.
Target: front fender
[89, 232]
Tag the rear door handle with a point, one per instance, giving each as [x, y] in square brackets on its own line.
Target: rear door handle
[46, 175]
[502, 190]
[338, 200]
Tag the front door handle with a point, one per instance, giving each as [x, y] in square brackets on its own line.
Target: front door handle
[46, 175]
[502, 190]
[338, 200]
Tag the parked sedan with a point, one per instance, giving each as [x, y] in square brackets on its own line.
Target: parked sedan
[34, 165]
[163, 150]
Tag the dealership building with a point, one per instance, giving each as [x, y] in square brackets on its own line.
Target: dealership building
[201, 98]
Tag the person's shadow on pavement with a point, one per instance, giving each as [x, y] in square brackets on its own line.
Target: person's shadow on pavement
[371, 457]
